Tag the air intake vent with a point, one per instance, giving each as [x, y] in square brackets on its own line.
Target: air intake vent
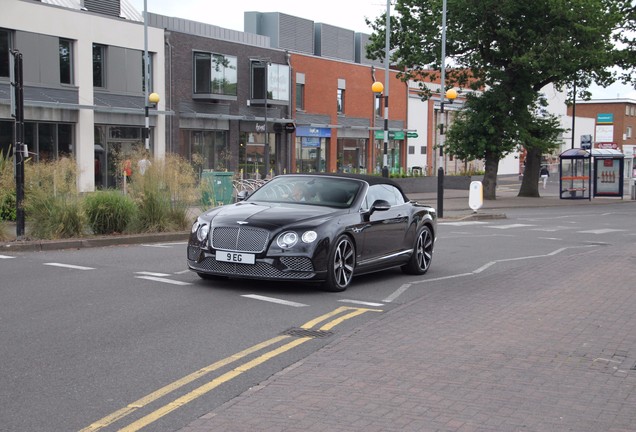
[104, 7]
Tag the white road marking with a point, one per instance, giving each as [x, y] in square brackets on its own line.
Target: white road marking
[509, 226]
[69, 266]
[153, 274]
[552, 229]
[165, 245]
[460, 223]
[405, 287]
[361, 302]
[6, 257]
[168, 281]
[274, 300]
[601, 231]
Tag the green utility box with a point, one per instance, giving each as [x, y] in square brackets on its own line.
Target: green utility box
[217, 187]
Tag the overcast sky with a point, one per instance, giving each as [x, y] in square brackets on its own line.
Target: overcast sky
[349, 14]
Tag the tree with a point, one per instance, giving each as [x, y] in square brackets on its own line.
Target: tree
[513, 49]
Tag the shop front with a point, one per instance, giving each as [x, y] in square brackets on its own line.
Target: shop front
[252, 143]
[311, 148]
[394, 151]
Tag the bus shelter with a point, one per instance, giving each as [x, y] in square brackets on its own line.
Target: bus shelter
[575, 181]
[609, 171]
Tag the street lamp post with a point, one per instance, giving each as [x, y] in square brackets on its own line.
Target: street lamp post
[440, 168]
[153, 98]
[378, 88]
[146, 79]
[451, 95]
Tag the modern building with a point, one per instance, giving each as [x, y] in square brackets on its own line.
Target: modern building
[230, 94]
[84, 94]
[339, 123]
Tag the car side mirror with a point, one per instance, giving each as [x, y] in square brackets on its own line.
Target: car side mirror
[242, 195]
[378, 205]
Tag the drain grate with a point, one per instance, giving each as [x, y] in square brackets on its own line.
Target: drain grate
[301, 332]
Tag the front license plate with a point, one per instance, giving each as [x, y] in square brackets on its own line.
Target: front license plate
[235, 257]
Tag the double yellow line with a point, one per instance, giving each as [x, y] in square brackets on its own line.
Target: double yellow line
[349, 312]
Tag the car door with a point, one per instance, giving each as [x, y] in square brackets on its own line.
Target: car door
[385, 230]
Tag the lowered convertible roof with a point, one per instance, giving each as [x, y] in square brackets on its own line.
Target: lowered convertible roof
[372, 180]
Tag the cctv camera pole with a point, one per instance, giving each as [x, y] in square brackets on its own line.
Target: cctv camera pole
[19, 151]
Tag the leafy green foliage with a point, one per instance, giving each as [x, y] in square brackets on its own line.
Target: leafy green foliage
[7, 205]
[109, 212]
[7, 188]
[512, 49]
[53, 206]
[54, 217]
[163, 195]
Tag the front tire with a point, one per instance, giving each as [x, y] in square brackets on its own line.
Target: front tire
[422, 255]
[342, 262]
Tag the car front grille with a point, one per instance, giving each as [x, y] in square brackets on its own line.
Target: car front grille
[240, 239]
[298, 263]
[260, 269]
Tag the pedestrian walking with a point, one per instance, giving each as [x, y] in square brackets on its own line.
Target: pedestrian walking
[544, 173]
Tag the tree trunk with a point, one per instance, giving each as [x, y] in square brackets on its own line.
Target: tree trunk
[530, 182]
[490, 176]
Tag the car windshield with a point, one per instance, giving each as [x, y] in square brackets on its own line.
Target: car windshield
[316, 190]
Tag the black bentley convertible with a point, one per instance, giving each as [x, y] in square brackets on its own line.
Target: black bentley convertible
[314, 227]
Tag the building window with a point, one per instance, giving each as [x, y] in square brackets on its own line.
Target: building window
[411, 149]
[276, 81]
[628, 132]
[5, 48]
[215, 74]
[66, 62]
[99, 65]
[423, 150]
[300, 96]
[341, 101]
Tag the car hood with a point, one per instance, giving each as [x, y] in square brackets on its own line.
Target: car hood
[270, 215]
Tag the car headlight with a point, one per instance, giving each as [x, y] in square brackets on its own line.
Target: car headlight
[287, 239]
[195, 226]
[202, 233]
[309, 236]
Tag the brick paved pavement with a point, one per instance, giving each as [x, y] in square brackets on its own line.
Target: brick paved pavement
[490, 352]
[487, 354]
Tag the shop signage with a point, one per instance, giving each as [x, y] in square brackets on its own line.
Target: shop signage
[310, 131]
[412, 135]
[604, 118]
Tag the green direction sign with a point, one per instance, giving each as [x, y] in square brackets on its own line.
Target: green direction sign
[394, 135]
[412, 135]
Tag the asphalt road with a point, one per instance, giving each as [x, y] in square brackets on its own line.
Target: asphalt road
[91, 338]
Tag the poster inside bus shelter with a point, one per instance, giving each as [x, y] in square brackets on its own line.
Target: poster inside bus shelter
[608, 177]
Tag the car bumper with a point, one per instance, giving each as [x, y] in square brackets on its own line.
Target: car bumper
[268, 268]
